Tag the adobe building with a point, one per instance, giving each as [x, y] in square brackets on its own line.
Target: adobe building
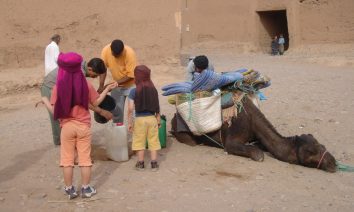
[162, 29]
[256, 22]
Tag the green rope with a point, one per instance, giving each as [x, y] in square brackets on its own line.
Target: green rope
[239, 106]
[239, 85]
[344, 168]
[219, 144]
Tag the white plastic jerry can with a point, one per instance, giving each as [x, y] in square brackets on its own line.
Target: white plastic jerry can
[117, 146]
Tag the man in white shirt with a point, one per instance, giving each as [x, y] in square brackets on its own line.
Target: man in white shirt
[51, 54]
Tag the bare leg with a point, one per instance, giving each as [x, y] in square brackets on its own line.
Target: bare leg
[140, 155]
[68, 175]
[153, 155]
[85, 175]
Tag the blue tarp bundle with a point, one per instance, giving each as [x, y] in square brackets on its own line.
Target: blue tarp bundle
[175, 88]
[206, 81]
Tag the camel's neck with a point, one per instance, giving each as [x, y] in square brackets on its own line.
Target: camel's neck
[280, 147]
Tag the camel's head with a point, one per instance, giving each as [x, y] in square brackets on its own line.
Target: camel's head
[313, 154]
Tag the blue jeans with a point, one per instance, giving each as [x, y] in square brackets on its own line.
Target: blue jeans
[119, 95]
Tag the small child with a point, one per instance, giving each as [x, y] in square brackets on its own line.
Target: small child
[71, 97]
[144, 99]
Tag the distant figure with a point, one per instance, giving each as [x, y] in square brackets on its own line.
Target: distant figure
[51, 54]
[121, 60]
[275, 46]
[281, 43]
[191, 69]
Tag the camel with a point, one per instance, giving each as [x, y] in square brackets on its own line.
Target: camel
[252, 126]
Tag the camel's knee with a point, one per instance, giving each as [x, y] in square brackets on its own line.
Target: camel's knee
[257, 154]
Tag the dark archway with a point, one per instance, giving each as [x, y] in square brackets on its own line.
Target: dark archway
[274, 22]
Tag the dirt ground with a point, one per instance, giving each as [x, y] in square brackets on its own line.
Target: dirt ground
[310, 93]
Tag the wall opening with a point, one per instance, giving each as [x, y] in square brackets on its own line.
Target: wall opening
[273, 22]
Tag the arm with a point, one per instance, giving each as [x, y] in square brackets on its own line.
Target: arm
[124, 79]
[190, 71]
[130, 64]
[131, 107]
[102, 78]
[105, 113]
[158, 117]
[56, 53]
[108, 88]
[47, 104]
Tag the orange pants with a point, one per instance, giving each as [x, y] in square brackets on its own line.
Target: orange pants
[75, 135]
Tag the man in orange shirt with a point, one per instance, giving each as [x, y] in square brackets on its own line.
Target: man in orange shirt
[121, 60]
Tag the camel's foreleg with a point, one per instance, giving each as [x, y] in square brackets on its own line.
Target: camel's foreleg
[236, 148]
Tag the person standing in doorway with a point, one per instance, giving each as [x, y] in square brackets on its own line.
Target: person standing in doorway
[275, 46]
[121, 60]
[281, 43]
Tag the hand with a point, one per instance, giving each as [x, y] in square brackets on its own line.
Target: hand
[100, 89]
[39, 102]
[106, 114]
[110, 86]
[130, 128]
[158, 118]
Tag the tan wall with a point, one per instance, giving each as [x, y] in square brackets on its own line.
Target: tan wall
[326, 21]
[309, 21]
[157, 29]
[149, 26]
[206, 20]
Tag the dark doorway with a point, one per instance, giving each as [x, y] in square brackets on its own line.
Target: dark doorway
[274, 23]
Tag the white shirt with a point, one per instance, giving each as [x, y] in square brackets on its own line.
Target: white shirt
[51, 57]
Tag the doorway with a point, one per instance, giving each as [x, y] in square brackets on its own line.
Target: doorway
[273, 23]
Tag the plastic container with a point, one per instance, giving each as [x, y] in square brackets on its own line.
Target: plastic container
[162, 133]
[117, 146]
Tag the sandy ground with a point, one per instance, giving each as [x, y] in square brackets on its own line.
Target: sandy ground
[307, 95]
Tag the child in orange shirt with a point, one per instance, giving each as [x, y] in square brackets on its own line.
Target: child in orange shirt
[71, 98]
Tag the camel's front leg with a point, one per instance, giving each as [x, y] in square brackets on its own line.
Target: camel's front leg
[240, 149]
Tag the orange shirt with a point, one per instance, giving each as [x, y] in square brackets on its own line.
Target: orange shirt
[120, 67]
[78, 113]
